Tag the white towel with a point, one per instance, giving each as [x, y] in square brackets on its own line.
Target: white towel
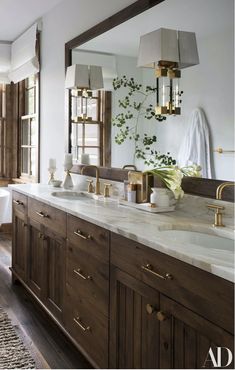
[195, 147]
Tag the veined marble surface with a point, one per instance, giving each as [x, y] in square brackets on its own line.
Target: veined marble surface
[191, 214]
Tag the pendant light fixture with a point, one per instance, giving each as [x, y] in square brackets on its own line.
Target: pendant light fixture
[82, 80]
[168, 51]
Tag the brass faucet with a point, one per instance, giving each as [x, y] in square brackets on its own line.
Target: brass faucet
[97, 184]
[221, 187]
[218, 214]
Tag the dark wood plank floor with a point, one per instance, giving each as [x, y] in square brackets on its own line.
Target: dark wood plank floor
[48, 345]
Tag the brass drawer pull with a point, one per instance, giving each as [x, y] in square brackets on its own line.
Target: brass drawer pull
[81, 235]
[79, 273]
[41, 214]
[150, 309]
[78, 322]
[18, 202]
[149, 268]
[161, 316]
[41, 236]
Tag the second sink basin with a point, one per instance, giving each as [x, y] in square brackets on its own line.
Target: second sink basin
[201, 239]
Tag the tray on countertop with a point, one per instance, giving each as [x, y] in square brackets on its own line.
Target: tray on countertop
[146, 207]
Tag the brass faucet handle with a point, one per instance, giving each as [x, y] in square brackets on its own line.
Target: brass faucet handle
[216, 207]
[218, 215]
[91, 188]
[106, 190]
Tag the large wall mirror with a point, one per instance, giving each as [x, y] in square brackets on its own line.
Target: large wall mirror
[208, 87]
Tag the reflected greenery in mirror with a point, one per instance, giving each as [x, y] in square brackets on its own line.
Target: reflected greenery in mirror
[135, 110]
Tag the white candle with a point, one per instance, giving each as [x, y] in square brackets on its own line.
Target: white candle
[52, 163]
[85, 158]
[68, 159]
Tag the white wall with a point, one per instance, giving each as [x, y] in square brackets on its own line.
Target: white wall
[69, 19]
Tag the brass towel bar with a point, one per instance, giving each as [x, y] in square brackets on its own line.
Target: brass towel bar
[221, 151]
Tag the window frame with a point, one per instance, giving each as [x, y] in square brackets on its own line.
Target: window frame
[103, 120]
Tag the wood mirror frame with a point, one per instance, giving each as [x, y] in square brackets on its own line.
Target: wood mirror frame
[191, 185]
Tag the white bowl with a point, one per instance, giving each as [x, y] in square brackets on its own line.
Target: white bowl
[56, 183]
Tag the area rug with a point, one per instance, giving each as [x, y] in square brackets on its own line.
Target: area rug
[13, 353]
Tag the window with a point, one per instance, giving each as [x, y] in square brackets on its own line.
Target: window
[90, 125]
[29, 130]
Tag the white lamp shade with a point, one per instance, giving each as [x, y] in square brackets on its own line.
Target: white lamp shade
[159, 45]
[77, 76]
[81, 76]
[187, 49]
[96, 78]
[170, 46]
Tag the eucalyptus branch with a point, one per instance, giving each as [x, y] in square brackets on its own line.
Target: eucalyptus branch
[143, 144]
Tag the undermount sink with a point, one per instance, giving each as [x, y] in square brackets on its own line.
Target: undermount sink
[201, 239]
[72, 195]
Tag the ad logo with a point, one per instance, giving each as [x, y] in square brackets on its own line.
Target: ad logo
[216, 359]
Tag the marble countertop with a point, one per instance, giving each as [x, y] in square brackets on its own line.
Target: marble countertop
[190, 215]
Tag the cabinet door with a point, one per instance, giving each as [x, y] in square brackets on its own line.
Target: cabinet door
[134, 331]
[35, 258]
[19, 245]
[54, 272]
[186, 338]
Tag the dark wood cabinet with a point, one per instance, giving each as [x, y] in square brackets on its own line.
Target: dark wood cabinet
[36, 259]
[150, 330]
[134, 333]
[20, 235]
[186, 338]
[19, 241]
[54, 254]
[123, 304]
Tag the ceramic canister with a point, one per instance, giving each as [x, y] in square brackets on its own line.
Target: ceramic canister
[160, 197]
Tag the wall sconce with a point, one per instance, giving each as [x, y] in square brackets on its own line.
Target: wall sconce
[82, 79]
[168, 51]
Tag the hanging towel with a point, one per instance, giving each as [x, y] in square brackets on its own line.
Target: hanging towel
[195, 147]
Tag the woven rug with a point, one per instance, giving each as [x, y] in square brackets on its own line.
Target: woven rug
[13, 353]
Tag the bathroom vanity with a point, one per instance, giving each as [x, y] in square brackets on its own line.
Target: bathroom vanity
[126, 295]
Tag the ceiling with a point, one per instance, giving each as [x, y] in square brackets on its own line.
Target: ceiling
[204, 17]
[17, 15]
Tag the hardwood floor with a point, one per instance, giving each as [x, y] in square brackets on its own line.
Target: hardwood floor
[48, 345]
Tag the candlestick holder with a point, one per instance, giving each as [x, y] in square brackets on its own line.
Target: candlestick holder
[68, 183]
[52, 173]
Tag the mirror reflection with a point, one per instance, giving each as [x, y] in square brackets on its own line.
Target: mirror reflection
[118, 123]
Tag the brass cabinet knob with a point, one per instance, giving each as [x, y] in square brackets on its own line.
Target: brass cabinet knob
[150, 309]
[161, 316]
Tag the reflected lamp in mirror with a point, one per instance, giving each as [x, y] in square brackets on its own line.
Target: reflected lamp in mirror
[82, 80]
[168, 51]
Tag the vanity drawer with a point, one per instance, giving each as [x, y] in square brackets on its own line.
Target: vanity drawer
[89, 238]
[89, 277]
[48, 216]
[19, 202]
[202, 292]
[87, 327]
